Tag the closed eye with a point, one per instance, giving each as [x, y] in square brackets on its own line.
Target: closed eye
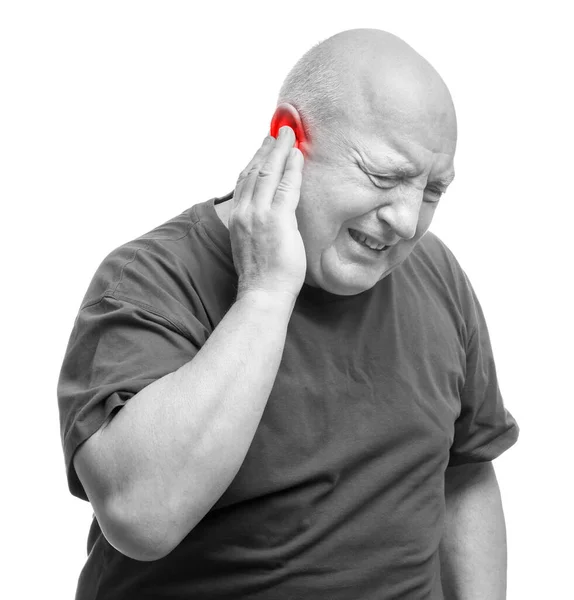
[386, 181]
[432, 195]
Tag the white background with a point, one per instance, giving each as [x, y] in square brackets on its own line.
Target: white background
[117, 116]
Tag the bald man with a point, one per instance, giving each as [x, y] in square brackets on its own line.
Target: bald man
[289, 391]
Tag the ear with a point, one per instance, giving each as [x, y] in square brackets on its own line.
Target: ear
[287, 114]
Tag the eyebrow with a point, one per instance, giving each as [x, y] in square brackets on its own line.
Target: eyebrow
[445, 180]
[394, 161]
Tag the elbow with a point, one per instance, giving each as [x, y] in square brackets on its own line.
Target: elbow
[133, 535]
[132, 526]
[137, 525]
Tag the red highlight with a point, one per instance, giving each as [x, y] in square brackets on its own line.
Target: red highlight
[285, 114]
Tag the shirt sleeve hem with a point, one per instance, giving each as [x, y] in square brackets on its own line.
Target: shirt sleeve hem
[78, 435]
[489, 451]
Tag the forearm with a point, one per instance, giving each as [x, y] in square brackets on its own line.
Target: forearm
[175, 447]
[473, 551]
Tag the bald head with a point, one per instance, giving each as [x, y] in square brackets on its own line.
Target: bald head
[363, 79]
[378, 133]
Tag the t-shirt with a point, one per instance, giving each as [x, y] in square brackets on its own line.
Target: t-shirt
[341, 493]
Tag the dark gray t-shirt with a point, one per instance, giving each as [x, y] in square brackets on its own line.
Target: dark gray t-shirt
[341, 494]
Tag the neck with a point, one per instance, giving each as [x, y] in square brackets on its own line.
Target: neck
[223, 210]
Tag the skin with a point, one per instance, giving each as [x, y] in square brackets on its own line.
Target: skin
[384, 172]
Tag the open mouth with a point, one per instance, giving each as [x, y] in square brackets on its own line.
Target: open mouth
[365, 242]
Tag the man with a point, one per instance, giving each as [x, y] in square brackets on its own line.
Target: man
[289, 391]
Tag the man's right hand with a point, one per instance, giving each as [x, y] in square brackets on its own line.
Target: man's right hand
[267, 247]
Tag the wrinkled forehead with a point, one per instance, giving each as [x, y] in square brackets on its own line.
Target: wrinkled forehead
[401, 100]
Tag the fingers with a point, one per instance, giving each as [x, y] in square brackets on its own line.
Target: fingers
[272, 169]
[288, 189]
[268, 250]
[249, 174]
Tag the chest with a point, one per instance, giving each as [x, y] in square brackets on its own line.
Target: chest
[350, 386]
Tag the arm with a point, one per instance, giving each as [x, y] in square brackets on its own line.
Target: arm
[473, 549]
[155, 470]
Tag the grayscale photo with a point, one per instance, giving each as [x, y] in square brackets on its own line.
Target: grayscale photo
[304, 280]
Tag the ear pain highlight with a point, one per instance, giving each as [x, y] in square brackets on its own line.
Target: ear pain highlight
[286, 114]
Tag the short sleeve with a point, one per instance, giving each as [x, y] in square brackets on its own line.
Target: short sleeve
[485, 428]
[116, 349]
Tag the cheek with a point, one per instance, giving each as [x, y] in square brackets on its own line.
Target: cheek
[425, 218]
[329, 203]
[318, 223]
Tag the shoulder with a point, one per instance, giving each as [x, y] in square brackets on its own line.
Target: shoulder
[435, 268]
[165, 269]
[181, 270]
[434, 259]
[432, 246]
[147, 267]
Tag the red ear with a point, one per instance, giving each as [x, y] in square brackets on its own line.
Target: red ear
[286, 114]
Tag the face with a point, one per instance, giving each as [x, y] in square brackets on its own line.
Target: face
[384, 180]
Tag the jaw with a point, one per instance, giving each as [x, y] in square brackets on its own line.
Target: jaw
[342, 276]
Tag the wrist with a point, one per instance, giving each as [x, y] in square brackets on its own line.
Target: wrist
[267, 301]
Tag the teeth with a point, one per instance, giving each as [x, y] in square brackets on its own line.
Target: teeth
[372, 244]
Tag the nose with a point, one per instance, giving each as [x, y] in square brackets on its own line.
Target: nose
[402, 215]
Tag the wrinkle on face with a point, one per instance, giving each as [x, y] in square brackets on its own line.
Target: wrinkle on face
[396, 118]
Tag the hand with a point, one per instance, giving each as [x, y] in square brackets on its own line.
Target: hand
[267, 247]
